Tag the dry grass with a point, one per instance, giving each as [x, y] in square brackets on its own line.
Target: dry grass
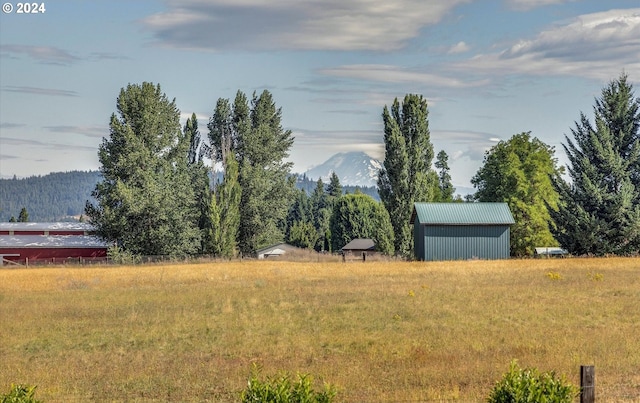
[379, 331]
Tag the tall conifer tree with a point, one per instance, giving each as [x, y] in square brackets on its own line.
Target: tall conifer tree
[146, 202]
[406, 176]
[221, 234]
[600, 208]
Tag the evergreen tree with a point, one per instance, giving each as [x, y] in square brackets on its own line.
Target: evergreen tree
[198, 172]
[13, 219]
[359, 216]
[600, 208]
[406, 176]
[222, 232]
[444, 178]
[23, 216]
[255, 137]
[145, 201]
[334, 188]
[322, 208]
[518, 172]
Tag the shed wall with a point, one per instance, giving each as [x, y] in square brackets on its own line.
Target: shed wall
[458, 242]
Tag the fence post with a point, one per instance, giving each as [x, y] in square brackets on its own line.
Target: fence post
[587, 384]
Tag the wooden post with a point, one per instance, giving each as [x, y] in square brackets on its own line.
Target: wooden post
[587, 384]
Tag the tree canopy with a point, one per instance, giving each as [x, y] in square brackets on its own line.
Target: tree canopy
[145, 202]
[359, 216]
[406, 176]
[519, 171]
[599, 210]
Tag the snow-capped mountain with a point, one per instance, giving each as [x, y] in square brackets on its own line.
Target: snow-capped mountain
[354, 168]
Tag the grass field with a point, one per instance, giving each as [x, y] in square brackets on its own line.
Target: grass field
[378, 331]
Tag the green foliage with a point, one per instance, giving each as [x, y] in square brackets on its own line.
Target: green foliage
[20, 394]
[283, 389]
[122, 257]
[264, 177]
[519, 171]
[531, 386]
[445, 186]
[24, 215]
[146, 202]
[303, 234]
[359, 216]
[599, 212]
[406, 176]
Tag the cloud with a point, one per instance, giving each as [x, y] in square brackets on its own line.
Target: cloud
[7, 125]
[470, 144]
[379, 25]
[598, 45]
[88, 131]
[42, 54]
[53, 146]
[40, 91]
[396, 74]
[459, 47]
[525, 5]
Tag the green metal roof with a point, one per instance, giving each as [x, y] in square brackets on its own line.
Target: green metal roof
[462, 214]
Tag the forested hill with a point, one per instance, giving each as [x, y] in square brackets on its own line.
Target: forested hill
[59, 196]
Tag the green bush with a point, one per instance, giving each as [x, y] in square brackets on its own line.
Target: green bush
[531, 386]
[283, 390]
[20, 394]
[122, 257]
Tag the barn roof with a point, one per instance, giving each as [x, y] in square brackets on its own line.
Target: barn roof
[51, 241]
[360, 244]
[45, 226]
[462, 214]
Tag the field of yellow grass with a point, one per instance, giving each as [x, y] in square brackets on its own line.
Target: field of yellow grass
[378, 331]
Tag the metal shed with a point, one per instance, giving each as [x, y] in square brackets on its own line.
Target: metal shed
[455, 231]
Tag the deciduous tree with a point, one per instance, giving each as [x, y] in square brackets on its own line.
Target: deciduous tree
[360, 216]
[518, 172]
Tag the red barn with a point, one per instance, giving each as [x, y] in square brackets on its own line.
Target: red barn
[31, 241]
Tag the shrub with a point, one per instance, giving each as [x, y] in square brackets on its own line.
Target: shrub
[531, 386]
[20, 394]
[283, 390]
[122, 257]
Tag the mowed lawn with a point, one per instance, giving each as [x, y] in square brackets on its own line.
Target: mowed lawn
[378, 331]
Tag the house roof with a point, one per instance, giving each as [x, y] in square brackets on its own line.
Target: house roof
[462, 214]
[360, 244]
[282, 247]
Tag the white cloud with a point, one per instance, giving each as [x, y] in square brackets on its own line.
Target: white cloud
[295, 25]
[598, 45]
[459, 47]
[396, 74]
[42, 54]
[524, 5]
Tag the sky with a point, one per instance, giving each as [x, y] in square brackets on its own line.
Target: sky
[488, 69]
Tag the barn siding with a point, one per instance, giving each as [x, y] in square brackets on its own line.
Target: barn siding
[456, 242]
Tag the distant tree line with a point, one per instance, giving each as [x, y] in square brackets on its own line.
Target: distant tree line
[59, 196]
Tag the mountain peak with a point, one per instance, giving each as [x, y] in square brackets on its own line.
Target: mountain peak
[355, 168]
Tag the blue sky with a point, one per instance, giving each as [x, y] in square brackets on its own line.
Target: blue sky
[489, 70]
